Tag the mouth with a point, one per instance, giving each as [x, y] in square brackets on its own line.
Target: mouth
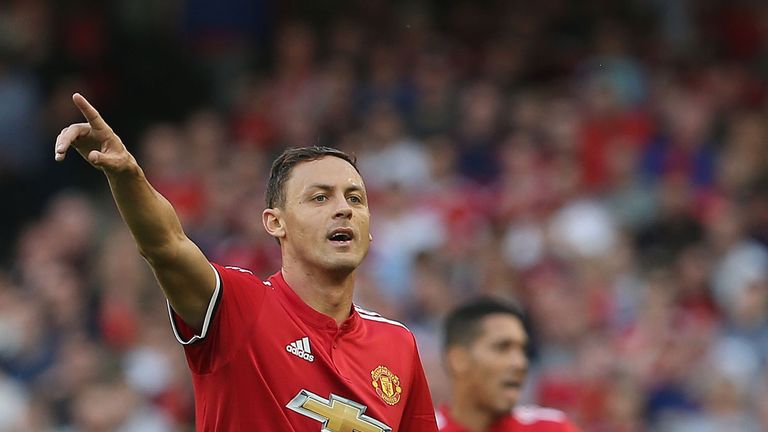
[512, 384]
[341, 236]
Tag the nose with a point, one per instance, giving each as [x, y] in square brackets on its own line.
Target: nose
[344, 210]
[519, 360]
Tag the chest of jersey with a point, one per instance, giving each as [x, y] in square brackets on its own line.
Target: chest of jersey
[348, 377]
[268, 361]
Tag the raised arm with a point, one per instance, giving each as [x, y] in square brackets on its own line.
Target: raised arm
[179, 265]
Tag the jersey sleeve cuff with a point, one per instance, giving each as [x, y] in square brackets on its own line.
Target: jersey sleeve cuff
[179, 333]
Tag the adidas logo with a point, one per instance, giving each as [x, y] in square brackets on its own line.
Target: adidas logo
[300, 348]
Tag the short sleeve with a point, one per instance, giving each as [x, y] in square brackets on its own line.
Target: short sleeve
[419, 414]
[229, 320]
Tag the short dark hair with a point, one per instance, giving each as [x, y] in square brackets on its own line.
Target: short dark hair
[462, 325]
[282, 166]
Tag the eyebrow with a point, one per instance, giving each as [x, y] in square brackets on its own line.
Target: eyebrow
[326, 187]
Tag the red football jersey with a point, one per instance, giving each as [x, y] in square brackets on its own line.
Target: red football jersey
[521, 419]
[266, 361]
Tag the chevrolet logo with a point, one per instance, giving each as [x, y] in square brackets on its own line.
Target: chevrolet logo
[337, 414]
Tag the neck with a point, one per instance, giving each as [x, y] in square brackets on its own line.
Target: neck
[327, 293]
[465, 411]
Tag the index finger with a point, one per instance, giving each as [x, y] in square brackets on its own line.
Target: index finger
[90, 113]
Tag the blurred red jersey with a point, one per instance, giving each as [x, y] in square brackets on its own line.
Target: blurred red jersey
[521, 419]
[266, 361]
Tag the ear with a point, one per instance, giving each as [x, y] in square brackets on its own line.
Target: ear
[457, 360]
[271, 218]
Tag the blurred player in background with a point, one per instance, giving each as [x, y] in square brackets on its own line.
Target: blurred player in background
[485, 354]
[291, 353]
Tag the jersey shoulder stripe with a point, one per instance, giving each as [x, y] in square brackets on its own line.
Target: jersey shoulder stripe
[373, 316]
[529, 414]
[240, 269]
[248, 274]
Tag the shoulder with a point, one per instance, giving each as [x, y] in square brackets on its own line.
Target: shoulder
[236, 284]
[378, 322]
[238, 275]
[531, 414]
[228, 269]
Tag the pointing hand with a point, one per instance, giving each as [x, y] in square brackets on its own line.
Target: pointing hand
[94, 140]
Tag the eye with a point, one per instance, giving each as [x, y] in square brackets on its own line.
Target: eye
[355, 199]
[319, 198]
[502, 346]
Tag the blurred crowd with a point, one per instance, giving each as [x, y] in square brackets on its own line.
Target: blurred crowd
[603, 163]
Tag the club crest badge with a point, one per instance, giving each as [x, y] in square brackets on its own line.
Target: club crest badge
[387, 385]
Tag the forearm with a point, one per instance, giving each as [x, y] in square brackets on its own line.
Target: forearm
[179, 265]
[149, 216]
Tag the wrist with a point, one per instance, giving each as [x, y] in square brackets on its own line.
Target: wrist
[130, 170]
